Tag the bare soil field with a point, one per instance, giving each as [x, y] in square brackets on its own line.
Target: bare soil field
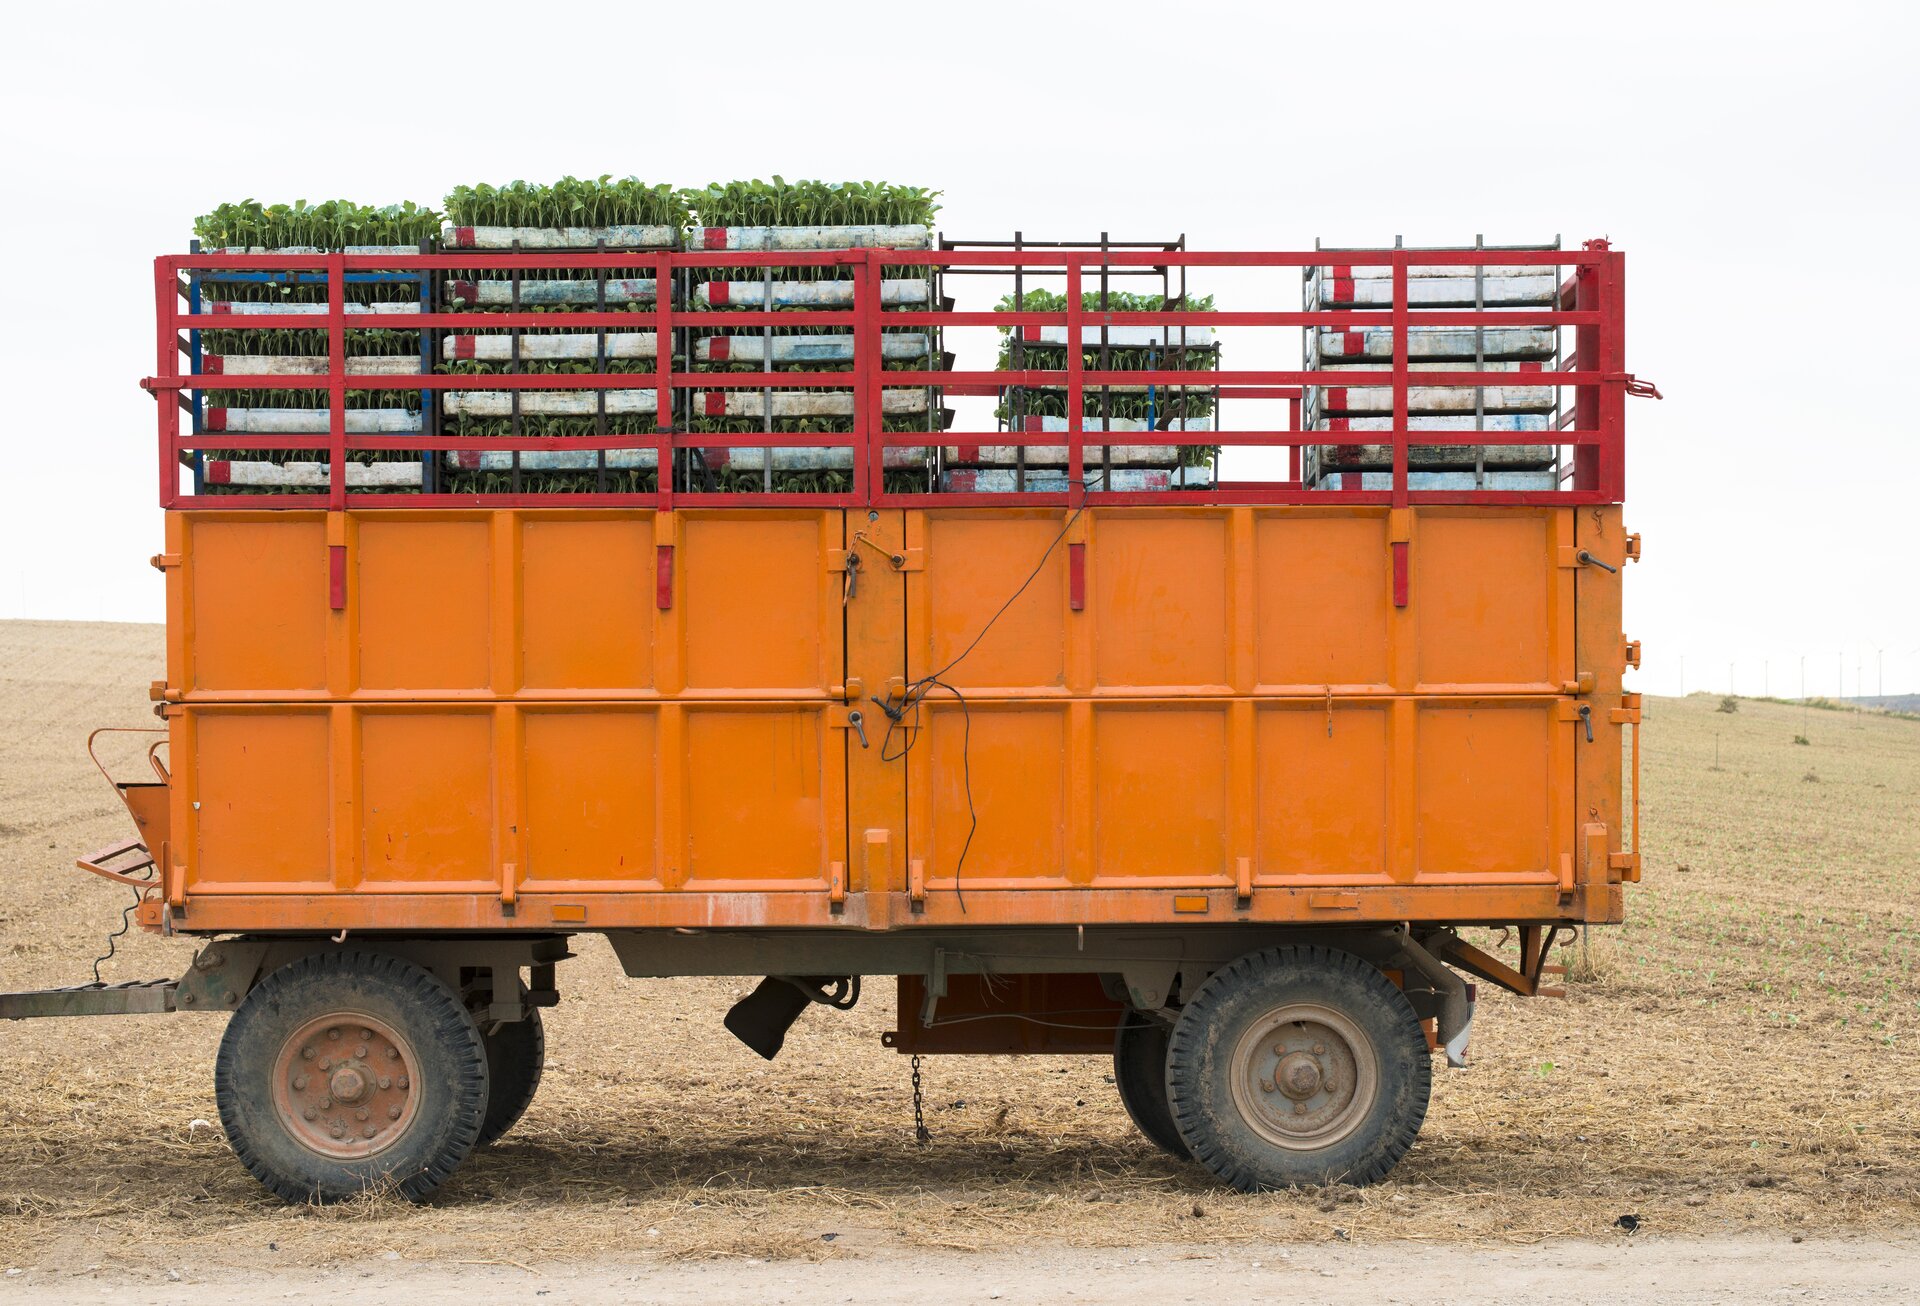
[1741, 1058]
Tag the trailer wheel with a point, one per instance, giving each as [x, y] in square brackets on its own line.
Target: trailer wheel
[1298, 1065]
[1140, 1073]
[516, 1055]
[345, 1072]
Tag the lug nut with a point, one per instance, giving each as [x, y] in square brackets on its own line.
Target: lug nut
[1266, 1086]
[370, 1131]
[386, 1081]
[299, 1081]
[360, 1051]
[366, 1033]
[393, 1113]
[1299, 1108]
[402, 1081]
[325, 1062]
[337, 1129]
[1319, 1049]
[307, 1053]
[308, 1114]
[393, 1054]
[333, 1033]
[361, 1114]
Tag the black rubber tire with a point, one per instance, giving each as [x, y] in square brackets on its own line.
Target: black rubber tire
[516, 1056]
[1232, 1004]
[451, 1076]
[1140, 1073]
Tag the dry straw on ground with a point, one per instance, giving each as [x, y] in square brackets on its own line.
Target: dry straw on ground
[1743, 1054]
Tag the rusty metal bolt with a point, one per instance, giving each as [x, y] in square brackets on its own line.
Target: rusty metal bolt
[360, 1051]
[1266, 1086]
[326, 1063]
[1299, 1108]
[333, 1033]
[366, 1033]
[393, 1113]
[307, 1053]
[337, 1129]
[402, 1081]
[386, 1081]
[308, 1114]
[1319, 1049]
[361, 1114]
[393, 1054]
[370, 1131]
[299, 1081]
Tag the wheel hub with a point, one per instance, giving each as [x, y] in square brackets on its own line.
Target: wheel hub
[343, 1085]
[1304, 1076]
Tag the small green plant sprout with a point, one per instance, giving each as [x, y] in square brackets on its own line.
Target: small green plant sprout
[1728, 704]
[1802, 739]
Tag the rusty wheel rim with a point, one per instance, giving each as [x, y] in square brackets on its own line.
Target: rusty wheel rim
[1304, 1077]
[344, 1085]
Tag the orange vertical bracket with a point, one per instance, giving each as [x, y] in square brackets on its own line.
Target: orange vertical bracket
[337, 577]
[336, 561]
[877, 869]
[1077, 577]
[1400, 537]
[1243, 881]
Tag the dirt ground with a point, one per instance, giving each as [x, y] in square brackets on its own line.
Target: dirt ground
[1740, 1061]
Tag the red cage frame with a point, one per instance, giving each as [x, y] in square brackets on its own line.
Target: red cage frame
[1591, 301]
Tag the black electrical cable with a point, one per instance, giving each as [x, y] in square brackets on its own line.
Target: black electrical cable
[916, 692]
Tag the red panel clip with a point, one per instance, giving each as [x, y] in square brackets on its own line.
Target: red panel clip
[1635, 386]
[1077, 576]
[663, 576]
[1399, 573]
[337, 576]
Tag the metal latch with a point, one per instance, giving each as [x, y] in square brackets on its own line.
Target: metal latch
[1631, 654]
[1633, 547]
[162, 561]
[1580, 714]
[844, 718]
[1635, 386]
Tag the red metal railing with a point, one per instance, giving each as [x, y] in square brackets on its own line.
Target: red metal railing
[1590, 302]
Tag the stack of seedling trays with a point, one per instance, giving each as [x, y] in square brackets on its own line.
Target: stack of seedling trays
[805, 217]
[1137, 411]
[569, 216]
[236, 350]
[1525, 405]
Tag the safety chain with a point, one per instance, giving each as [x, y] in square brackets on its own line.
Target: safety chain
[920, 1134]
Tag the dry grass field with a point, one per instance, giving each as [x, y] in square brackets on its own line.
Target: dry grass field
[1744, 1054]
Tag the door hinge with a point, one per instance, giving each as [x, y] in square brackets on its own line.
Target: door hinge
[162, 561]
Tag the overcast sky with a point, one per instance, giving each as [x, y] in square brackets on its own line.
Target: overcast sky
[1756, 162]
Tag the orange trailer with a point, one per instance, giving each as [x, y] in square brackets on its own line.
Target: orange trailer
[1208, 781]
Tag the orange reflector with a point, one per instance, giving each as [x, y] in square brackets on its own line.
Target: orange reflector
[570, 912]
[1193, 902]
